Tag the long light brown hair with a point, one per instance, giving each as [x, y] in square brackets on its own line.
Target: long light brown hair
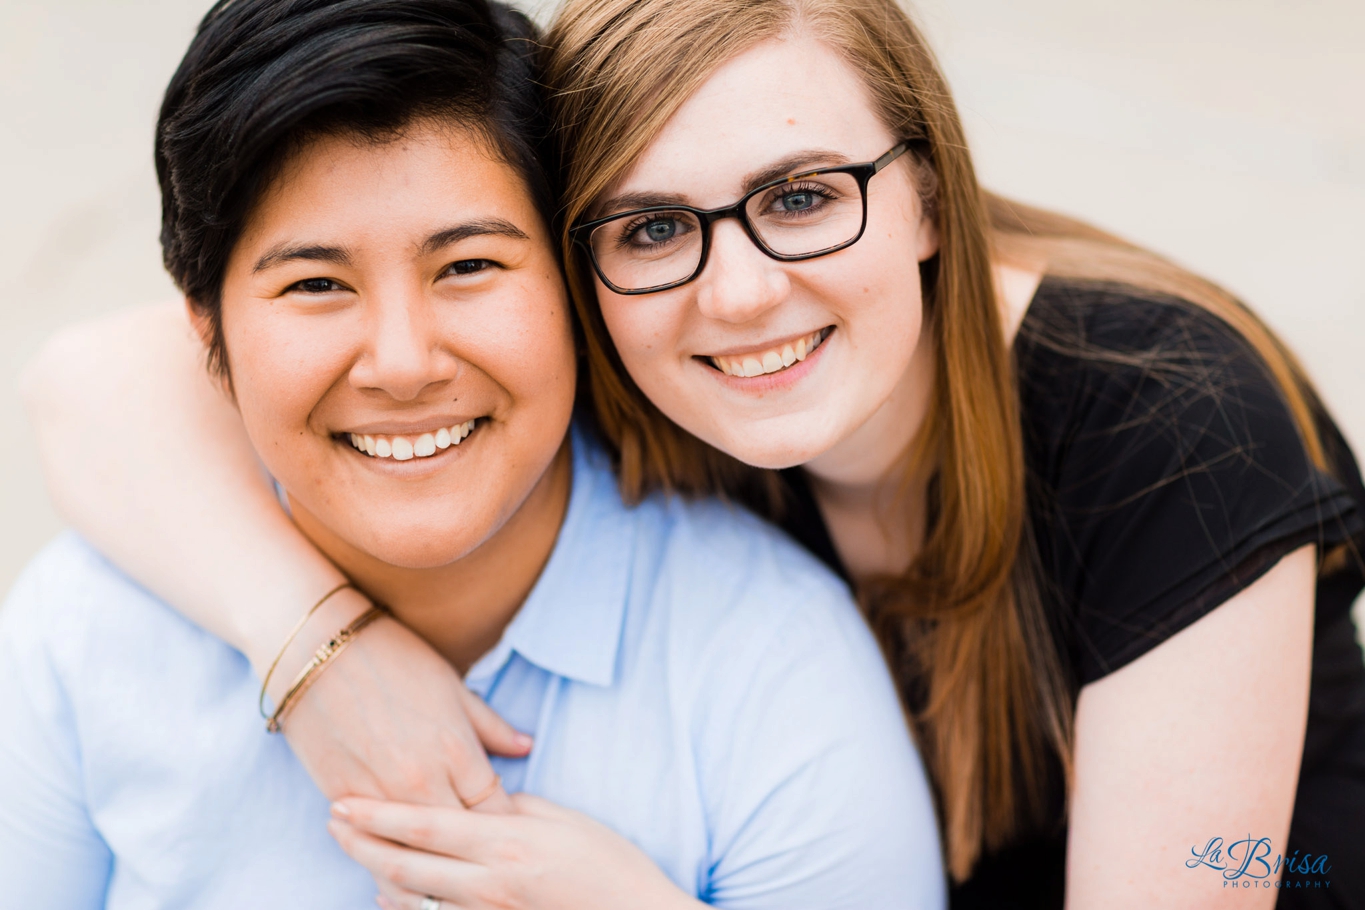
[963, 627]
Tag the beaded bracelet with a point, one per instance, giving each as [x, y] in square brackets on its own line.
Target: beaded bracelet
[293, 634]
[321, 659]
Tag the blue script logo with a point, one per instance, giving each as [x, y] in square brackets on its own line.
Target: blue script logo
[1246, 863]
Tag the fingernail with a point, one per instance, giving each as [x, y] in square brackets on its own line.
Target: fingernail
[523, 741]
[340, 810]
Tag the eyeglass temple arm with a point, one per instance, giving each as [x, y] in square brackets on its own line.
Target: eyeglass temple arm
[889, 157]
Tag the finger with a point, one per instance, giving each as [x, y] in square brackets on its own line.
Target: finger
[392, 897]
[433, 829]
[497, 735]
[414, 871]
[491, 799]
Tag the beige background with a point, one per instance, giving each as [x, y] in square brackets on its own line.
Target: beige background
[1228, 135]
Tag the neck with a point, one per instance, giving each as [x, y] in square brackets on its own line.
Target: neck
[463, 608]
[871, 491]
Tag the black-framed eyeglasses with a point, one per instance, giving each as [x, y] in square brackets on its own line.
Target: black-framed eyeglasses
[813, 213]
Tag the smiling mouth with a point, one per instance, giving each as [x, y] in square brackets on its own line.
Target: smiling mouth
[773, 360]
[405, 448]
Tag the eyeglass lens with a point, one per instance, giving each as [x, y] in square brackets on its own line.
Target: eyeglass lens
[805, 216]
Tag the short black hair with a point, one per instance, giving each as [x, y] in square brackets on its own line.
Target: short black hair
[263, 76]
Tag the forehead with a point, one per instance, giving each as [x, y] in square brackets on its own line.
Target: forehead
[778, 98]
[384, 189]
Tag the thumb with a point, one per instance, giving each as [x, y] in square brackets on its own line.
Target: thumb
[497, 735]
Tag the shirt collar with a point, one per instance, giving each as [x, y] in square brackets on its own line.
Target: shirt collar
[570, 624]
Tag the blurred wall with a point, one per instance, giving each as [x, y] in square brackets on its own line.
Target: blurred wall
[1228, 136]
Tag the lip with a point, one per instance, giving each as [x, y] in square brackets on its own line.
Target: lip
[763, 346]
[410, 428]
[769, 382]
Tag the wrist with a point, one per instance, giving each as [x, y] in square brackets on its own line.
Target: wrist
[335, 614]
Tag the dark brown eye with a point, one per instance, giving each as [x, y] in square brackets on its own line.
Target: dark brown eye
[469, 266]
[315, 286]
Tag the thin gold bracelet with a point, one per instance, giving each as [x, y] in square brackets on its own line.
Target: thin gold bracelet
[324, 655]
[293, 634]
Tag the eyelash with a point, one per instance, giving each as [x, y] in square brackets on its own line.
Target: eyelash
[460, 267]
[301, 286]
[454, 267]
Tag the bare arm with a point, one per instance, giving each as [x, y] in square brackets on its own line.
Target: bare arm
[1199, 738]
[146, 456]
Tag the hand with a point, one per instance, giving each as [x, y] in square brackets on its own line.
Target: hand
[543, 857]
[391, 719]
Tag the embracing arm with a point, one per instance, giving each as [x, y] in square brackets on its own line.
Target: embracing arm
[146, 456]
[1199, 738]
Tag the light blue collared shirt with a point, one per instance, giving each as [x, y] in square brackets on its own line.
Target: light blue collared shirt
[693, 679]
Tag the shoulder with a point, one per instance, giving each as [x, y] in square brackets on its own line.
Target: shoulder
[1116, 383]
[61, 587]
[1167, 471]
[73, 614]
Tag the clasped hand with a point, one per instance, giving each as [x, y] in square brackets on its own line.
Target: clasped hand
[539, 856]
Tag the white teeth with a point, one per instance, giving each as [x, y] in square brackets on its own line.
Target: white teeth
[772, 360]
[401, 448]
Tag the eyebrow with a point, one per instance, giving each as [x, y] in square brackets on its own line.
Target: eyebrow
[316, 252]
[479, 228]
[294, 252]
[804, 160]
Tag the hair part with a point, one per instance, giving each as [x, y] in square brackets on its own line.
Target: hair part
[262, 78]
[964, 628]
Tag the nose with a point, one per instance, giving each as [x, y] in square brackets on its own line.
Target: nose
[740, 282]
[404, 352]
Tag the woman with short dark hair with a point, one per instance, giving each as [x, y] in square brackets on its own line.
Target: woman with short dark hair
[355, 206]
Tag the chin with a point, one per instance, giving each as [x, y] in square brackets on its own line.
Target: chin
[778, 451]
[417, 544]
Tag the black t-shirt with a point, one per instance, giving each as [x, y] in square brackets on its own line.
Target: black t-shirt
[1166, 474]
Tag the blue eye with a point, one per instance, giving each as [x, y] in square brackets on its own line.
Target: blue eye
[659, 231]
[798, 202]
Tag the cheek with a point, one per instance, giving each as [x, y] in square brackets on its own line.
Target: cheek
[282, 365]
[524, 342]
[646, 332]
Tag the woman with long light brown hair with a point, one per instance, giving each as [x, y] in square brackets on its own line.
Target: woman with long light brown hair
[1097, 517]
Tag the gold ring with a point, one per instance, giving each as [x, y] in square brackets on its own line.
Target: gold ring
[482, 795]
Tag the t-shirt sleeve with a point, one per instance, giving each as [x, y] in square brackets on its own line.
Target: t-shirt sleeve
[51, 855]
[1169, 475]
[815, 795]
